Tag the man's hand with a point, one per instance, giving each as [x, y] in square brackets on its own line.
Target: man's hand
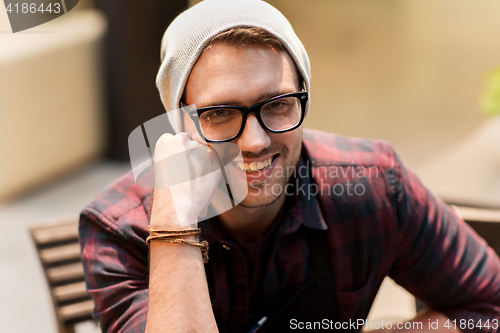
[186, 177]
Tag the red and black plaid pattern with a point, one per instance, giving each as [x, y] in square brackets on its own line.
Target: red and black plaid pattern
[380, 221]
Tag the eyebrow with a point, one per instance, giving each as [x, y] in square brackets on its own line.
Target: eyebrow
[261, 98]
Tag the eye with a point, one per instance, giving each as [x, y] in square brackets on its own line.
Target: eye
[220, 116]
[218, 113]
[277, 104]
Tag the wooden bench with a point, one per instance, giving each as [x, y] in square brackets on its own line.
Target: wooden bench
[59, 253]
[486, 222]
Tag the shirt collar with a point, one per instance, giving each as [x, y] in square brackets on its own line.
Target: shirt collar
[305, 210]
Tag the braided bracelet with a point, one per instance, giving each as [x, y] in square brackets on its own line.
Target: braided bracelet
[171, 236]
[185, 232]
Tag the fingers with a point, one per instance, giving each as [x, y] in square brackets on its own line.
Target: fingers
[191, 171]
[180, 159]
[161, 147]
[168, 145]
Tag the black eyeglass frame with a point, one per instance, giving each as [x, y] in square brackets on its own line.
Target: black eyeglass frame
[245, 110]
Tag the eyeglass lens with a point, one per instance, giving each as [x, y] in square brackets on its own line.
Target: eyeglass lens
[225, 123]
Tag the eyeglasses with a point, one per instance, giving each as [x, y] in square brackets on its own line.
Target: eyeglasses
[223, 123]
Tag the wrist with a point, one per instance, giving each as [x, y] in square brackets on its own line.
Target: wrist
[165, 216]
[168, 222]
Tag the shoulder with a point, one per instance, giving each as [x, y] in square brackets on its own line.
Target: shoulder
[122, 204]
[324, 149]
[342, 165]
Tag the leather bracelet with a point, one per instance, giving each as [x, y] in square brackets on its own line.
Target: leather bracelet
[185, 232]
[172, 236]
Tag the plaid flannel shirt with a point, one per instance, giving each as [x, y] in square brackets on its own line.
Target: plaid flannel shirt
[380, 220]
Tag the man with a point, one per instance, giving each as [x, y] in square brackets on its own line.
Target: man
[326, 218]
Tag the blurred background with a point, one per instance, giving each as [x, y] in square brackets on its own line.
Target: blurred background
[73, 89]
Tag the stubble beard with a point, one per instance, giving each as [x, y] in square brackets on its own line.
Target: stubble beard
[267, 196]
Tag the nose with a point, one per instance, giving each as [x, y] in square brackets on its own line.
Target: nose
[253, 138]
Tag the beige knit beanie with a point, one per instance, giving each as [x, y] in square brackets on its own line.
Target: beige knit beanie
[189, 34]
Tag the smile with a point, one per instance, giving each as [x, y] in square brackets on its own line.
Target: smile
[255, 166]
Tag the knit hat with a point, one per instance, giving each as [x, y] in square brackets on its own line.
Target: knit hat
[189, 34]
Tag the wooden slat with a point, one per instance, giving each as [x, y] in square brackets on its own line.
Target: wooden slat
[60, 253]
[56, 234]
[54, 223]
[478, 214]
[486, 222]
[77, 310]
[70, 291]
[66, 272]
[48, 238]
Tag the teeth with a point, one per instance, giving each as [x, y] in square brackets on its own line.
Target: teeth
[255, 166]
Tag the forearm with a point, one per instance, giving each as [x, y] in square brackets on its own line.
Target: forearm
[178, 292]
[426, 321]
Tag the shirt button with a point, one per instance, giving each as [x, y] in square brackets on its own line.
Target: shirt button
[226, 247]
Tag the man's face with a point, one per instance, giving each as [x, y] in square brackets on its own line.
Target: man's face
[245, 76]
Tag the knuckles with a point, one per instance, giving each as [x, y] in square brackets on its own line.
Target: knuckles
[168, 145]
